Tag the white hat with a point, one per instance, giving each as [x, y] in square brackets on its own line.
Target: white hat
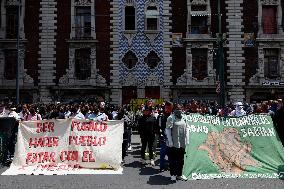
[239, 104]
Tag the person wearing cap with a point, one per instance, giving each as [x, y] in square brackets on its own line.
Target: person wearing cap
[239, 111]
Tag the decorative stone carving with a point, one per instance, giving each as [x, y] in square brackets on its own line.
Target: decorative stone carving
[28, 79]
[152, 1]
[198, 2]
[64, 80]
[281, 67]
[130, 80]
[100, 80]
[83, 2]
[152, 80]
[152, 35]
[269, 2]
[130, 3]
[182, 80]
[12, 2]
[129, 35]
[93, 63]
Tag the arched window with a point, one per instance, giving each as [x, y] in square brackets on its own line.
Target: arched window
[130, 60]
[152, 15]
[129, 20]
[152, 60]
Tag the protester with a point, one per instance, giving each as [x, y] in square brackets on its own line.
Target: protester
[147, 129]
[3, 111]
[102, 115]
[162, 120]
[152, 120]
[13, 113]
[239, 111]
[24, 113]
[130, 122]
[32, 116]
[177, 139]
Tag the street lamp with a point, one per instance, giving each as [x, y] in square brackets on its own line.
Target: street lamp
[18, 54]
[221, 58]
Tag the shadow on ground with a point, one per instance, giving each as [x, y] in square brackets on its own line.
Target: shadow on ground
[159, 180]
[148, 171]
[134, 164]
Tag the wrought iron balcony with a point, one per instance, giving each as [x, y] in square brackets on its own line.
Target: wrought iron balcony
[193, 29]
[83, 32]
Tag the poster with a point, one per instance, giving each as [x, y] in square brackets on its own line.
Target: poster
[67, 146]
[244, 147]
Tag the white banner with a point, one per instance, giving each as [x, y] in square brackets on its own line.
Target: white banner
[68, 147]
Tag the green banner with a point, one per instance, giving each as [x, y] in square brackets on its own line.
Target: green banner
[244, 147]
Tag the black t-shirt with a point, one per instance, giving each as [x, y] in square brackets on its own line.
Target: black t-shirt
[148, 126]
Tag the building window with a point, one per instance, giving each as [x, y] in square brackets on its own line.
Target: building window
[152, 60]
[11, 22]
[152, 16]
[83, 22]
[269, 21]
[199, 63]
[271, 63]
[82, 64]
[198, 25]
[130, 18]
[10, 64]
[130, 60]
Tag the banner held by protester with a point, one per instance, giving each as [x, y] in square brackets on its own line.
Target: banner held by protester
[68, 146]
[244, 147]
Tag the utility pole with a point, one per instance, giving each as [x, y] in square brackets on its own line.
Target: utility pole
[221, 57]
[18, 55]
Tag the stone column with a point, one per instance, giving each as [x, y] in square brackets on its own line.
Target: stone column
[47, 51]
[236, 65]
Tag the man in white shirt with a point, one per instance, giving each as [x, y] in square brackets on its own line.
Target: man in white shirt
[13, 113]
[102, 116]
[239, 111]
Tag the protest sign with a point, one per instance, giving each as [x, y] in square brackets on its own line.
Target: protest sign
[67, 146]
[244, 147]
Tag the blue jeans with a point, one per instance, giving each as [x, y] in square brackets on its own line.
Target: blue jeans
[163, 152]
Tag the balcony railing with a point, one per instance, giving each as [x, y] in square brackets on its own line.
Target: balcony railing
[83, 74]
[198, 29]
[83, 32]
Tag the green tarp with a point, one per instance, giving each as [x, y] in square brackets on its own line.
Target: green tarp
[244, 147]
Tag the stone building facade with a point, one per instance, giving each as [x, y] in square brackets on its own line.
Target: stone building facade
[117, 50]
[141, 50]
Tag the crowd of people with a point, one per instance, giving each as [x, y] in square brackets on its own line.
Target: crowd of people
[158, 125]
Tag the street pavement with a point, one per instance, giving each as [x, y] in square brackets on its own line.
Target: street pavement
[134, 177]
